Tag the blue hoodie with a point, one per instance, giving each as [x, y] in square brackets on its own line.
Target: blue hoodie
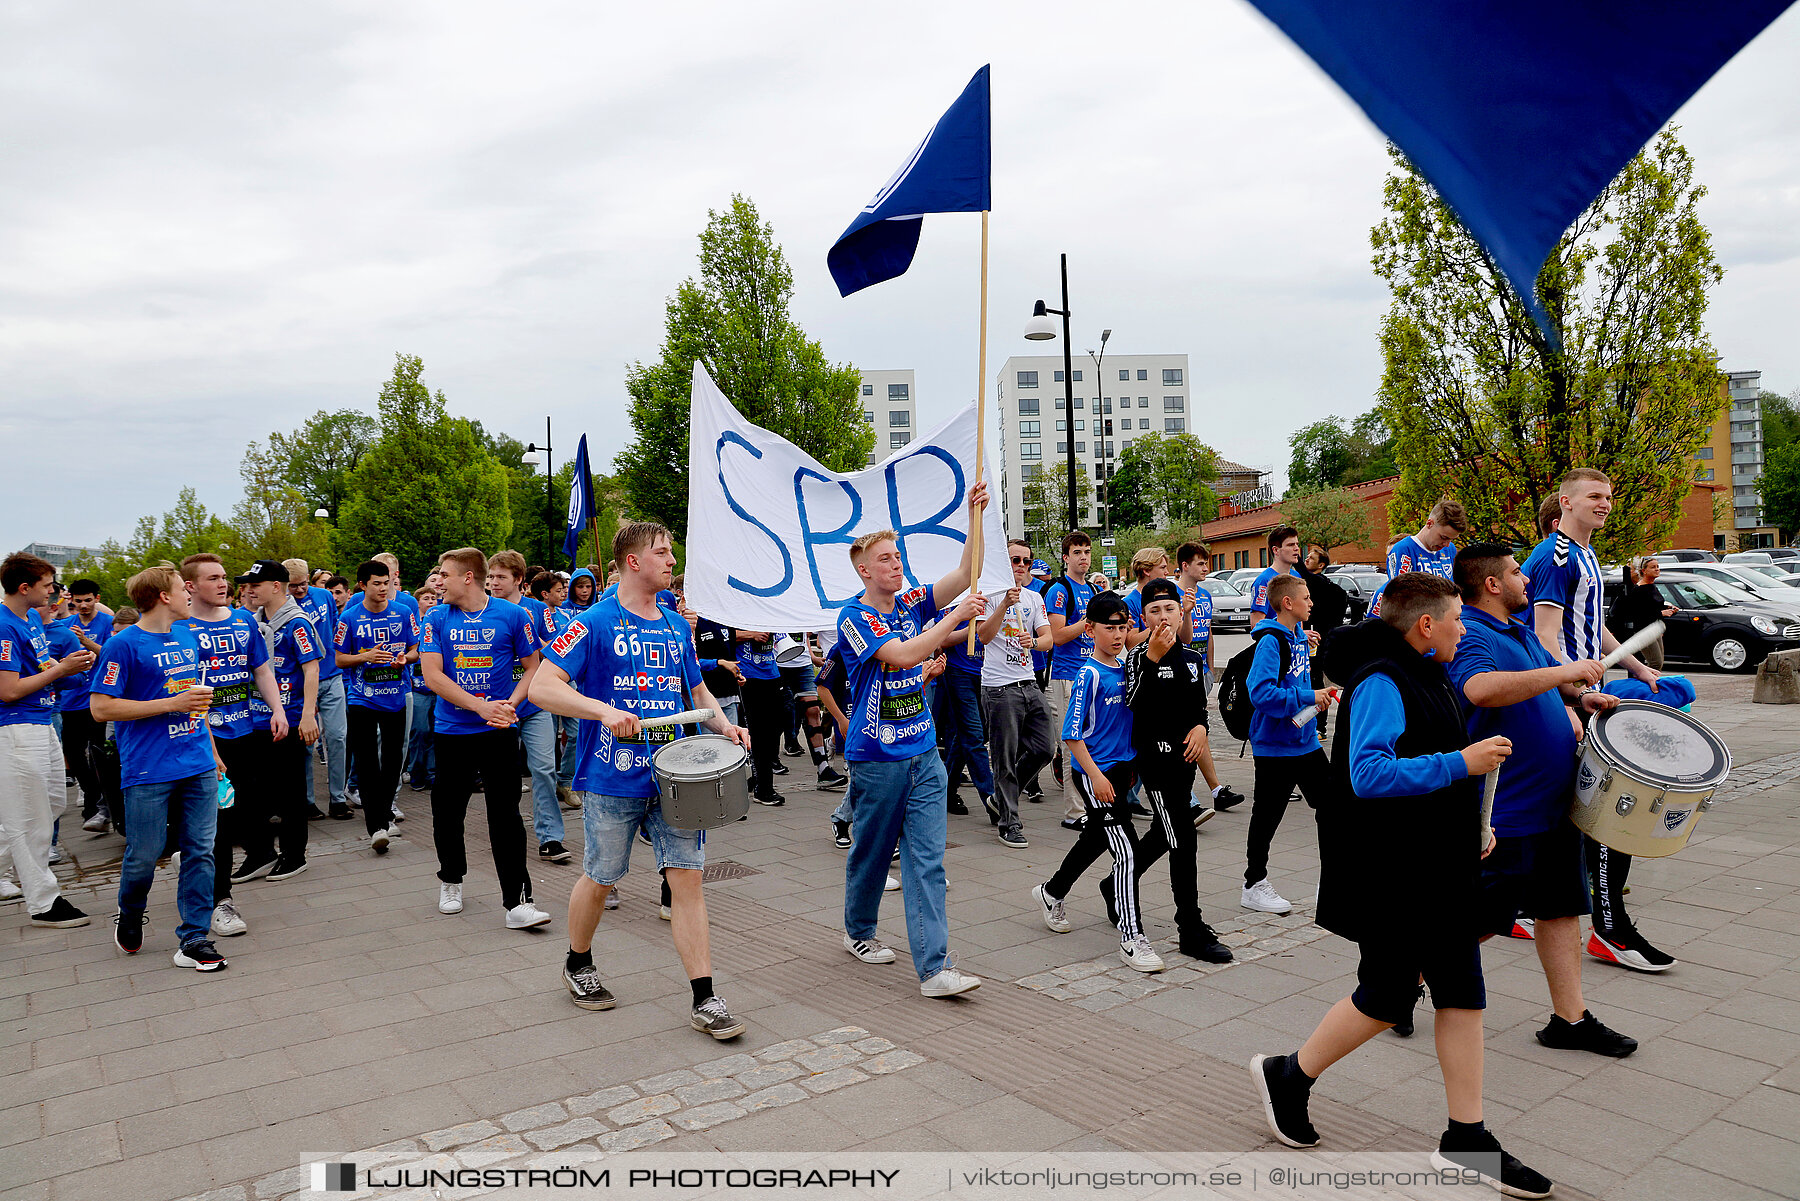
[1277, 699]
[569, 601]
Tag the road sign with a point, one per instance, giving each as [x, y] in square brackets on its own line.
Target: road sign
[1109, 564]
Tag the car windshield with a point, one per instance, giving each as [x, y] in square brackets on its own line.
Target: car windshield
[1774, 573]
[1220, 587]
[1691, 594]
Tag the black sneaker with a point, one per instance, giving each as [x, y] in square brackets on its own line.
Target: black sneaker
[1034, 795]
[554, 852]
[1075, 823]
[286, 868]
[992, 806]
[770, 798]
[1483, 1154]
[419, 785]
[584, 985]
[60, 916]
[253, 869]
[202, 956]
[1586, 1035]
[956, 806]
[1227, 799]
[1106, 894]
[1013, 837]
[831, 779]
[1202, 942]
[314, 813]
[342, 813]
[1284, 1106]
[840, 834]
[780, 768]
[128, 932]
[1405, 1029]
[790, 748]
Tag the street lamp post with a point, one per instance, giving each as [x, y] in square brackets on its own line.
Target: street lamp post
[1103, 486]
[530, 459]
[1039, 329]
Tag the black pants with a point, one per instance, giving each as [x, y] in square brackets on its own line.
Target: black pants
[1108, 828]
[1276, 776]
[280, 796]
[763, 713]
[1169, 783]
[377, 748]
[1607, 870]
[247, 763]
[492, 755]
[81, 738]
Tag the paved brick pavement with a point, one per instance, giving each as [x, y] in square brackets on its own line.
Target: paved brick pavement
[354, 1016]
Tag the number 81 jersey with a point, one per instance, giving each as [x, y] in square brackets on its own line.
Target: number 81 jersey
[889, 719]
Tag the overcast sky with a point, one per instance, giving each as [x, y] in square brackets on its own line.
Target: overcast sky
[215, 220]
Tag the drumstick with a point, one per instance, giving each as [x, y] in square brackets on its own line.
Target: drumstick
[1635, 643]
[679, 719]
[1488, 789]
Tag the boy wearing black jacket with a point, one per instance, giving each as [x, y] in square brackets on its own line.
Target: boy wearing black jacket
[1411, 832]
[1165, 689]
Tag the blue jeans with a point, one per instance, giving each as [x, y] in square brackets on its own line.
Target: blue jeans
[962, 737]
[334, 733]
[900, 802]
[570, 729]
[147, 819]
[421, 755]
[537, 735]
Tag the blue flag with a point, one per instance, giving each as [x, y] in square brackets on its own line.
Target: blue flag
[1520, 112]
[949, 172]
[581, 504]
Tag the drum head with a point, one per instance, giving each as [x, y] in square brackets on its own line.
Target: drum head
[698, 757]
[1661, 745]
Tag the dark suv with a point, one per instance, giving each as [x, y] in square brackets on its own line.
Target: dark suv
[1722, 625]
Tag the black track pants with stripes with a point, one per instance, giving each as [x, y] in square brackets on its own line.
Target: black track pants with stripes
[1108, 829]
[1169, 783]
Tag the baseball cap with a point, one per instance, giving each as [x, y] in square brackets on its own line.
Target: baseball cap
[1160, 588]
[264, 571]
[1107, 608]
[1040, 569]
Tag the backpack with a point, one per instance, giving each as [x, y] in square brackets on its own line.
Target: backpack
[1234, 686]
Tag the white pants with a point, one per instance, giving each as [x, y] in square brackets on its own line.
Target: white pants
[32, 797]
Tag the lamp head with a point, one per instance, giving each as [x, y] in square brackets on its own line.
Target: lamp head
[530, 457]
[321, 513]
[1041, 327]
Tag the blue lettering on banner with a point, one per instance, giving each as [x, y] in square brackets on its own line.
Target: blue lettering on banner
[840, 536]
[787, 561]
[932, 524]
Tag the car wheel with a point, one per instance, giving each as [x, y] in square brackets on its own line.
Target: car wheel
[1728, 653]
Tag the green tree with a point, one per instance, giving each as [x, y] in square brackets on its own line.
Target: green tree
[1328, 517]
[1165, 481]
[734, 319]
[1780, 420]
[427, 484]
[1046, 502]
[274, 520]
[1484, 407]
[317, 458]
[1329, 454]
[1780, 489]
[1128, 494]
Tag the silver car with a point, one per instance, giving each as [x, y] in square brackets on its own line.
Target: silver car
[1231, 605]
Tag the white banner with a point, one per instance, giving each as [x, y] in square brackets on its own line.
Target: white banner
[769, 528]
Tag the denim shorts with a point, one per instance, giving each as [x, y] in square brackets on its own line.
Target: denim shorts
[802, 679]
[611, 822]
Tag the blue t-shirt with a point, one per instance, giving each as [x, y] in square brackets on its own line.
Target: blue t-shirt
[231, 651]
[379, 686]
[1134, 601]
[1097, 715]
[1039, 659]
[138, 665]
[1566, 574]
[24, 648]
[1069, 597]
[294, 645]
[1202, 616]
[63, 643]
[1408, 555]
[1535, 786]
[889, 719]
[484, 652]
[958, 658]
[72, 691]
[757, 660]
[1259, 591]
[320, 608]
[643, 665]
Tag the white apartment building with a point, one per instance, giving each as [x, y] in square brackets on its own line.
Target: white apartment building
[1747, 460]
[1128, 396]
[889, 404]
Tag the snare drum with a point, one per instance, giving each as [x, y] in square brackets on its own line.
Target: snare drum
[703, 781]
[1646, 772]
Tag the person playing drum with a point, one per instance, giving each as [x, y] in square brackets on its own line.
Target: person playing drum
[1536, 870]
[625, 660]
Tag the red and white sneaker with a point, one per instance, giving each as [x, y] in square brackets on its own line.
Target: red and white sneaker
[1628, 948]
[1523, 927]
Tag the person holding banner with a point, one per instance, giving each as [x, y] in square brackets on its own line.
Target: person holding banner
[897, 781]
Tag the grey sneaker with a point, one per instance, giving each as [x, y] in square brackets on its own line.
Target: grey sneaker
[948, 983]
[869, 950]
[226, 921]
[1013, 837]
[711, 1017]
[1055, 916]
[584, 985]
[612, 897]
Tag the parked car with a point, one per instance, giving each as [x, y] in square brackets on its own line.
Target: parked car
[1747, 556]
[1722, 625]
[1246, 574]
[1231, 605]
[1739, 576]
[1773, 571]
[1788, 556]
[1687, 556]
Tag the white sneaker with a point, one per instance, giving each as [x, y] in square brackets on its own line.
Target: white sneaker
[398, 816]
[892, 885]
[869, 950]
[665, 913]
[612, 897]
[56, 855]
[226, 921]
[948, 983]
[1055, 916]
[449, 898]
[10, 892]
[97, 824]
[525, 915]
[378, 842]
[1139, 954]
[1262, 897]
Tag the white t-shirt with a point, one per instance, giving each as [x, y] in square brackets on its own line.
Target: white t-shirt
[1007, 659]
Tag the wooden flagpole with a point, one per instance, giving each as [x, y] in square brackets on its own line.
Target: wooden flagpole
[980, 423]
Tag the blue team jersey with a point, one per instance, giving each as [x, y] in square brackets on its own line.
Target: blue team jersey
[483, 652]
[138, 665]
[1039, 659]
[73, 691]
[320, 608]
[1134, 601]
[757, 660]
[643, 665]
[290, 649]
[1069, 597]
[1566, 574]
[231, 650]
[376, 685]
[889, 719]
[1407, 555]
[1097, 715]
[1259, 591]
[62, 644]
[957, 655]
[1202, 617]
[24, 649]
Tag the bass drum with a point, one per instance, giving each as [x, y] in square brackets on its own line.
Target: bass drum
[703, 781]
[1646, 772]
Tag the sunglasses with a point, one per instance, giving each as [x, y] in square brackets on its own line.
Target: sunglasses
[1016, 559]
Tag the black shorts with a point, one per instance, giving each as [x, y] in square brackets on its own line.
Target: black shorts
[1387, 977]
[1536, 876]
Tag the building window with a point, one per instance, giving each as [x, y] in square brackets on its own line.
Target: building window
[1174, 425]
[1081, 402]
[1124, 373]
[1143, 423]
[1030, 428]
[1107, 401]
[896, 441]
[1171, 377]
[1031, 450]
[1705, 452]
[1080, 425]
[899, 417]
[868, 389]
[868, 416]
[1706, 474]
[1027, 379]
[1061, 425]
[1172, 404]
[1028, 406]
[1081, 448]
[1262, 557]
[1030, 471]
[1056, 376]
[897, 391]
[1077, 376]
[1143, 374]
[1062, 448]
